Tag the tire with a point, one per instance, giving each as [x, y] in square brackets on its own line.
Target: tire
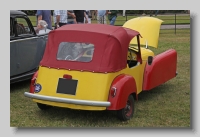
[127, 112]
[43, 106]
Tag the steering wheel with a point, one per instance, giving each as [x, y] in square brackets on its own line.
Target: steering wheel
[68, 57]
[130, 57]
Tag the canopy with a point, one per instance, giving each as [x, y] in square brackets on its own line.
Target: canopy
[110, 46]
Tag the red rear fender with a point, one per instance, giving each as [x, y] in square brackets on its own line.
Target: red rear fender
[32, 86]
[124, 86]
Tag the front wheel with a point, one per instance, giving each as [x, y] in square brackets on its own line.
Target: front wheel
[43, 106]
[127, 112]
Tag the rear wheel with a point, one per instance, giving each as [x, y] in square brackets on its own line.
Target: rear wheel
[43, 106]
[127, 112]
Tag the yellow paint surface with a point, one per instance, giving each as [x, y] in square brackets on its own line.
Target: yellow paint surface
[148, 27]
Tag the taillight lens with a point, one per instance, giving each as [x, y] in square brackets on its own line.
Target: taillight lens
[67, 76]
[113, 91]
[32, 86]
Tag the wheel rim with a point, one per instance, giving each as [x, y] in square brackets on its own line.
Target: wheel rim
[128, 108]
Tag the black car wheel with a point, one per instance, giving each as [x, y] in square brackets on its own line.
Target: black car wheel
[43, 106]
[127, 112]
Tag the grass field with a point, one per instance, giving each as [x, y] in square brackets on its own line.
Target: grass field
[167, 105]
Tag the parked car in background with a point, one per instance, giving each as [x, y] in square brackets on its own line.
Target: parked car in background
[26, 47]
[95, 67]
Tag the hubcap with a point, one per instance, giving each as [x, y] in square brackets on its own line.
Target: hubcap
[128, 108]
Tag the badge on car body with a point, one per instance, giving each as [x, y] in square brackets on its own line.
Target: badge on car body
[38, 88]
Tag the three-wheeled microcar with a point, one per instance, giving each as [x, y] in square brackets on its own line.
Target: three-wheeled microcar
[94, 67]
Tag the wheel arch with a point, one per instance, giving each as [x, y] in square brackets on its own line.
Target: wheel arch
[125, 85]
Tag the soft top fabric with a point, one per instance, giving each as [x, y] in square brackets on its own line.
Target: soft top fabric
[110, 43]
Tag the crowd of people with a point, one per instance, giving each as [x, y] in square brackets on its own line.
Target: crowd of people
[65, 17]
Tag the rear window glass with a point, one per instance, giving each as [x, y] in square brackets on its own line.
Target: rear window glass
[74, 51]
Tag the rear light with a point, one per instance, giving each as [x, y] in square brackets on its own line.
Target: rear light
[113, 91]
[67, 76]
[32, 86]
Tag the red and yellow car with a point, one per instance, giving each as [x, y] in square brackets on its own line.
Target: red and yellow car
[101, 67]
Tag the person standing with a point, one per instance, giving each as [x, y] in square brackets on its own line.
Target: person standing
[71, 19]
[156, 13]
[88, 16]
[60, 18]
[93, 12]
[101, 16]
[112, 15]
[46, 16]
[80, 15]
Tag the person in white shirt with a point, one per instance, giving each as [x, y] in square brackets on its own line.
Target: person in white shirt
[101, 16]
[42, 27]
[60, 17]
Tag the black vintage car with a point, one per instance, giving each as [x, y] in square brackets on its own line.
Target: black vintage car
[26, 47]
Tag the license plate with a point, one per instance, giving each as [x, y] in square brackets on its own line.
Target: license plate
[67, 86]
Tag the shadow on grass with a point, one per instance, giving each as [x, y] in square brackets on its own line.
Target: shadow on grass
[19, 85]
[81, 117]
[64, 117]
[153, 93]
[95, 118]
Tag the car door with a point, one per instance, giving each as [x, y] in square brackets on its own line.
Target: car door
[26, 48]
[135, 67]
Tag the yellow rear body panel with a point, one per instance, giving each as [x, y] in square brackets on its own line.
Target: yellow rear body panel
[91, 86]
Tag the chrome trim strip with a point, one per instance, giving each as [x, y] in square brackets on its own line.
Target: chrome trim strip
[67, 100]
[23, 39]
[22, 76]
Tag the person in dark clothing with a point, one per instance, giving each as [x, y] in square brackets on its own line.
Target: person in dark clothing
[71, 19]
[112, 15]
[80, 15]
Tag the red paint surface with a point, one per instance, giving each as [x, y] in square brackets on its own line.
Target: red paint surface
[67, 76]
[32, 86]
[125, 85]
[110, 46]
[162, 69]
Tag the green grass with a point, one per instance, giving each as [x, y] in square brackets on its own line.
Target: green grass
[167, 105]
[180, 19]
